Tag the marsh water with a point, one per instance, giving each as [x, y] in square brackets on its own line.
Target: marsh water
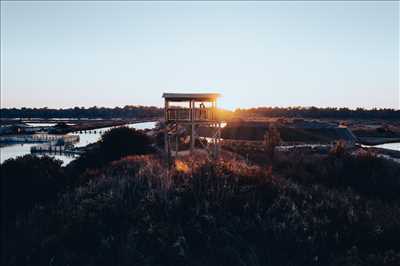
[390, 146]
[92, 136]
[85, 138]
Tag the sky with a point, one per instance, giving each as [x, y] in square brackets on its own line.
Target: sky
[65, 54]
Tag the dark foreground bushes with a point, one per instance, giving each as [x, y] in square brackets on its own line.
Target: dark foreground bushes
[134, 212]
[362, 172]
[25, 183]
[29, 180]
[366, 174]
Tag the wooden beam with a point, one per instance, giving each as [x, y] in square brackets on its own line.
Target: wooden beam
[192, 140]
[166, 138]
[176, 142]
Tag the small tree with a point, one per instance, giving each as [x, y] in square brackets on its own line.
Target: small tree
[114, 144]
[272, 138]
[123, 141]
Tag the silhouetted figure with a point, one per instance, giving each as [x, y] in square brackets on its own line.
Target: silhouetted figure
[202, 111]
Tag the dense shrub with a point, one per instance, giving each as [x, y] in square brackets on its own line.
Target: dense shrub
[26, 182]
[123, 141]
[30, 180]
[114, 144]
[367, 174]
[136, 212]
[337, 168]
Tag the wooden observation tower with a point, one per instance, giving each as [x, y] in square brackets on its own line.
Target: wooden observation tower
[184, 114]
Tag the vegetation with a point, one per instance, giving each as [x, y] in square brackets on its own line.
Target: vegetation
[272, 139]
[143, 111]
[26, 182]
[301, 208]
[29, 180]
[114, 144]
[258, 132]
[315, 112]
[364, 173]
[82, 112]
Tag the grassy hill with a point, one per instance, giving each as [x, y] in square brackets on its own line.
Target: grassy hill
[297, 208]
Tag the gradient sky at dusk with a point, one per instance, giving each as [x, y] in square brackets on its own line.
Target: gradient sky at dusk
[65, 54]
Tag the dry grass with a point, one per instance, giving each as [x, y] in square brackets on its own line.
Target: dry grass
[138, 211]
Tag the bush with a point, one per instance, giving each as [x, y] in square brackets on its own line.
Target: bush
[308, 209]
[123, 141]
[26, 182]
[114, 144]
[30, 180]
[217, 213]
[364, 172]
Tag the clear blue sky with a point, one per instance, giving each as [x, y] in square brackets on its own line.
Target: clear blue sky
[65, 54]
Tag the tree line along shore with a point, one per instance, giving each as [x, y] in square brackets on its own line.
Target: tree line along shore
[369, 126]
[130, 111]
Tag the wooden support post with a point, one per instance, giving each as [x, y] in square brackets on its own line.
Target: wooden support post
[169, 148]
[218, 139]
[215, 140]
[212, 110]
[192, 139]
[176, 142]
[166, 139]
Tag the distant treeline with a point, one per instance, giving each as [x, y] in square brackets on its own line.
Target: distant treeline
[151, 111]
[314, 112]
[81, 112]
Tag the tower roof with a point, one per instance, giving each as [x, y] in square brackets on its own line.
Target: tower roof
[191, 96]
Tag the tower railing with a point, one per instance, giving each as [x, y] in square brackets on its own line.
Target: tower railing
[186, 114]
